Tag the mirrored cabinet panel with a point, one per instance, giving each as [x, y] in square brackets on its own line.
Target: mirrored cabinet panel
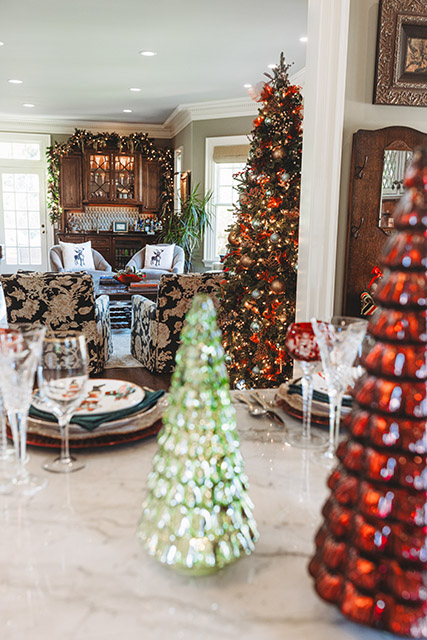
[395, 163]
[379, 161]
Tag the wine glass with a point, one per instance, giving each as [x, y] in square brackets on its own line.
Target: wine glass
[301, 345]
[339, 341]
[62, 377]
[20, 350]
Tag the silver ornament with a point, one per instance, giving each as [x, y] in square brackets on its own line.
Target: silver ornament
[255, 224]
[255, 326]
[228, 359]
[256, 370]
[274, 238]
[256, 294]
[241, 384]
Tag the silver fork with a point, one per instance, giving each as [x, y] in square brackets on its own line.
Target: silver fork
[273, 415]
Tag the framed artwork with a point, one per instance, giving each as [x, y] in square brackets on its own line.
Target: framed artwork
[401, 60]
[120, 227]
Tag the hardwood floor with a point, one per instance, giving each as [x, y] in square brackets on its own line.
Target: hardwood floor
[140, 376]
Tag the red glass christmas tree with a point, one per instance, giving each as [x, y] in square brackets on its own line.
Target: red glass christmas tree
[371, 556]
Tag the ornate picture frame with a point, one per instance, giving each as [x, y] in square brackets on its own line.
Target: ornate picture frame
[401, 57]
[120, 227]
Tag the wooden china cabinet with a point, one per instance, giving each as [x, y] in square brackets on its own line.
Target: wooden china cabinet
[110, 179]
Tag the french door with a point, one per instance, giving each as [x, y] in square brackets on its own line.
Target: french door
[22, 220]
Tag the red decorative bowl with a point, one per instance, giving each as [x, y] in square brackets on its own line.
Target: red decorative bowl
[127, 278]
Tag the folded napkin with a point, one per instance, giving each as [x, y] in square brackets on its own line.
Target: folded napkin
[92, 422]
[319, 396]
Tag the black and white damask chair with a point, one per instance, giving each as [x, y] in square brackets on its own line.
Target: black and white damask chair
[156, 326]
[62, 301]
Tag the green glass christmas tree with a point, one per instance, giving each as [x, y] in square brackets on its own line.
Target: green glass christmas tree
[197, 516]
[260, 290]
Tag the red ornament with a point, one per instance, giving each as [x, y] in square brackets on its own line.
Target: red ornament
[370, 558]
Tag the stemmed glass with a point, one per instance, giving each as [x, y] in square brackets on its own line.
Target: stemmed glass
[339, 341]
[20, 351]
[301, 345]
[62, 377]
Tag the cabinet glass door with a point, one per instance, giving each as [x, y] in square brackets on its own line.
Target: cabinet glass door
[99, 177]
[124, 177]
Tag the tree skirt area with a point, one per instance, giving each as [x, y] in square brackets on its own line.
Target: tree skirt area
[121, 358]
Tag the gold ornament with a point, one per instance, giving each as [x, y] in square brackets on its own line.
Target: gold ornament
[232, 238]
[278, 152]
[246, 261]
[277, 286]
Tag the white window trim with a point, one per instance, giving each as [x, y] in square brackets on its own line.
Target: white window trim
[44, 140]
[209, 256]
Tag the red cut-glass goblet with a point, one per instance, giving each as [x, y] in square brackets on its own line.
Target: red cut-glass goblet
[301, 345]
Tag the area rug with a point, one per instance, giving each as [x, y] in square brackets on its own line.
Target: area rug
[121, 358]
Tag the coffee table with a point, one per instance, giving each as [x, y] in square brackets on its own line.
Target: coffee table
[121, 299]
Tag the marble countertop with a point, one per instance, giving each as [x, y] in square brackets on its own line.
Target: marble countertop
[71, 567]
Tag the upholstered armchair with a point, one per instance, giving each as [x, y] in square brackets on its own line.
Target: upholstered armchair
[138, 260]
[156, 326]
[57, 264]
[62, 301]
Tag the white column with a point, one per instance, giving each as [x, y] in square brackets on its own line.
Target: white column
[324, 91]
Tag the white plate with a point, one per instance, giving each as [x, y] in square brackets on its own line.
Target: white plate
[127, 425]
[103, 396]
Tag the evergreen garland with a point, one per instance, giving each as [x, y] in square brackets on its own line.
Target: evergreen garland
[83, 140]
[259, 292]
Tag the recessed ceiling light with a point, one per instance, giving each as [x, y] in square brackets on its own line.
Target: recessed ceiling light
[303, 39]
[148, 54]
[247, 86]
[15, 81]
[127, 110]
[134, 89]
[272, 66]
[28, 104]
[1, 44]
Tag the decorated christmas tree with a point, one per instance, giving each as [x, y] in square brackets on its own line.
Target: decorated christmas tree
[260, 289]
[371, 557]
[197, 516]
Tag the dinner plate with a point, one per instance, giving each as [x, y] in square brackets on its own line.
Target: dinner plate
[292, 403]
[103, 396]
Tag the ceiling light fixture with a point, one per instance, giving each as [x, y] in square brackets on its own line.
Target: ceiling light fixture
[272, 66]
[28, 104]
[15, 81]
[1, 44]
[127, 110]
[134, 89]
[148, 54]
[303, 39]
[247, 86]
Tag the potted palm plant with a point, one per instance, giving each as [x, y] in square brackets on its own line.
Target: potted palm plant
[186, 227]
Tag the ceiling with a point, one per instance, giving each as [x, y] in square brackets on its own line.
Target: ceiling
[78, 59]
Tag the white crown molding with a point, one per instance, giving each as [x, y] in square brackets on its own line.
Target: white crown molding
[182, 116]
[57, 125]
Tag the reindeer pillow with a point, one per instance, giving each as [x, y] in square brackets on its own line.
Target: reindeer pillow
[159, 256]
[77, 257]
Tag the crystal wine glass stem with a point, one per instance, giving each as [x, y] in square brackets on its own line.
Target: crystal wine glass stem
[64, 425]
[335, 399]
[18, 421]
[3, 437]
[307, 398]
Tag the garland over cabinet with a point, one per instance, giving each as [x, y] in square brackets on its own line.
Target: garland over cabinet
[109, 170]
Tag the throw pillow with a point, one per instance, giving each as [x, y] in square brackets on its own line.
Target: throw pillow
[159, 256]
[77, 257]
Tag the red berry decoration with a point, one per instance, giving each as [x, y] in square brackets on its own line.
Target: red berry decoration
[371, 551]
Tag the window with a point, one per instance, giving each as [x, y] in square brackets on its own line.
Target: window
[23, 218]
[225, 157]
[224, 198]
